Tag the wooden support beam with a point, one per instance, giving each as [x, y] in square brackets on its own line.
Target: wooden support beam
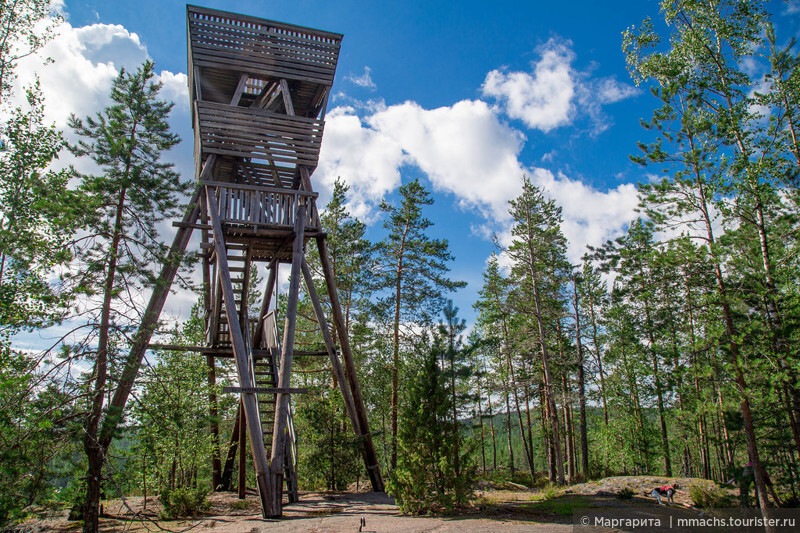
[242, 357]
[268, 291]
[213, 414]
[233, 445]
[206, 350]
[150, 317]
[241, 484]
[237, 94]
[329, 344]
[373, 467]
[287, 98]
[285, 370]
[266, 390]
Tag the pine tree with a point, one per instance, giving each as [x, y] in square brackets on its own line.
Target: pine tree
[709, 43]
[540, 268]
[434, 473]
[414, 268]
[134, 193]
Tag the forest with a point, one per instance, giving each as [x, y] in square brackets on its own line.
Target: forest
[672, 350]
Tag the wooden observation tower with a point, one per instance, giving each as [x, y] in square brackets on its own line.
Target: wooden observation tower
[259, 92]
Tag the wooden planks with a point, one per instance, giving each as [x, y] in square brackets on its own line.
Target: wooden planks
[247, 132]
[273, 49]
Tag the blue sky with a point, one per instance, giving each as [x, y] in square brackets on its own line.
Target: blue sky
[465, 95]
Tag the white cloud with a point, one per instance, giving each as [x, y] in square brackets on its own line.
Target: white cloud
[609, 90]
[591, 217]
[85, 61]
[555, 93]
[542, 100]
[464, 150]
[365, 80]
[367, 160]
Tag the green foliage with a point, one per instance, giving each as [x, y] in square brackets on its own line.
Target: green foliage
[331, 454]
[36, 429]
[25, 26]
[38, 213]
[173, 439]
[625, 494]
[709, 496]
[551, 491]
[184, 501]
[430, 477]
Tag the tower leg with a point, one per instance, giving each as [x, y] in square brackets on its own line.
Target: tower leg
[242, 357]
[285, 371]
[371, 457]
[241, 486]
[329, 344]
[233, 444]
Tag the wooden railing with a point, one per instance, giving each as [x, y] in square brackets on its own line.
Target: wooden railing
[264, 206]
[225, 40]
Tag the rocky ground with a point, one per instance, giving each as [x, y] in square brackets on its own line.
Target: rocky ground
[502, 508]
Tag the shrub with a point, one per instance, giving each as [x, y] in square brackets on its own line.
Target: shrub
[625, 494]
[183, 501]
[551, 491]
[710, 496]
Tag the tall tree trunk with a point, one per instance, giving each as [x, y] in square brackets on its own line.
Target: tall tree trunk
[527, 391]
[481, 430]
[91, 445]
[548, 381]
[396, 357]
[569, 443]
[508, 433]
[491, 425]
[599, 358]
[659, 389]
[581, 385]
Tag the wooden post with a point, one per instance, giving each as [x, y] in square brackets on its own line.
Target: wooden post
[213, 411]
[241, 487]
[242, 357]
[233, 444]
[287, 352]
[270, 288]
[373, 467]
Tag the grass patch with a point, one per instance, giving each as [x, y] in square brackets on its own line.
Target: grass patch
[548, 492]
[240, 504]
[562, 507]
[709, 496]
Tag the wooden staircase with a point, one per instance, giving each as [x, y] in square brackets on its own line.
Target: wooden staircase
[266, 372]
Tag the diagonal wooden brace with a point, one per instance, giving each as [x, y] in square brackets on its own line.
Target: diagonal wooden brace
[242, 357]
